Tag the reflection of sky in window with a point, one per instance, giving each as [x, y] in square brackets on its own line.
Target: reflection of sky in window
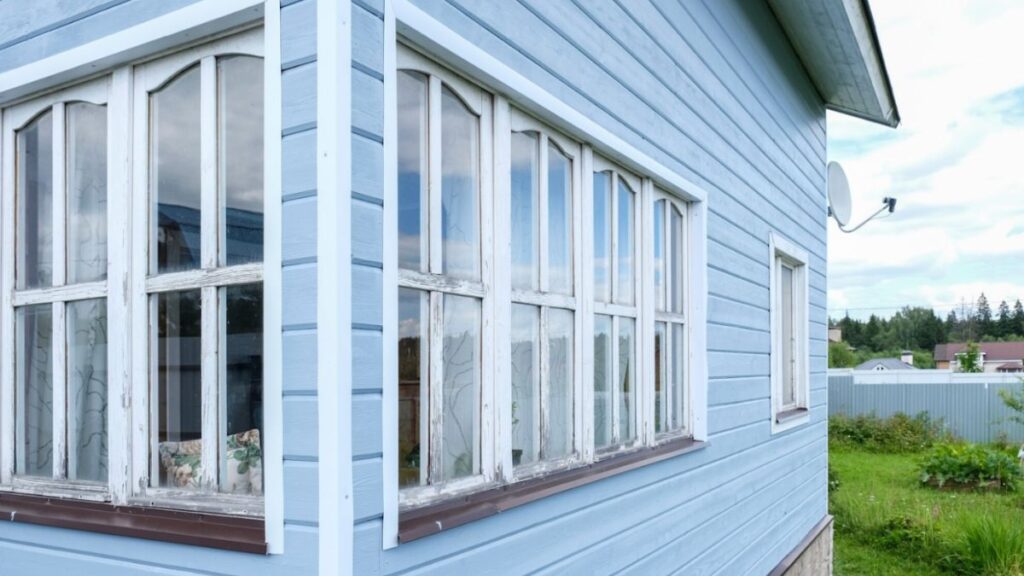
[602, 234]
[559, 222]
[659, 252]
[240, 107]
[524, 210]
[625, 225]
[412, 133]
[459, 188]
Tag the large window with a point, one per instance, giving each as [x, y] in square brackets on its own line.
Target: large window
[543, 297]
[789, 369]
[176, 257]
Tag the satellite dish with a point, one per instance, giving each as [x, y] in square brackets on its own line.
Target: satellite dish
[839, 194]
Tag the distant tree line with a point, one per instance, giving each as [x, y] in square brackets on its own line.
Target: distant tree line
[920, 330]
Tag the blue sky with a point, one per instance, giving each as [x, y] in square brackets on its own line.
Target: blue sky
[956, 164]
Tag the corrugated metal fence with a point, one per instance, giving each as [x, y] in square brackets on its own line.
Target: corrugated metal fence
[968, 404]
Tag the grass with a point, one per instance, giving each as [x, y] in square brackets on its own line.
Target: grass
[887, 523]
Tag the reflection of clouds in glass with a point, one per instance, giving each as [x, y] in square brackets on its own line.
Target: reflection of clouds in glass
[559, 222]
[460, 146]
[34, 221]
[659, 253]
[461, 387]
[87, 192]
[602, 235]
[524, 226]
[240, 132]
[625, 237]
[560, 385]
[412, 190]
[525, 338]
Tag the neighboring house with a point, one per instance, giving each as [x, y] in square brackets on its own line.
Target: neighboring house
[882, 364]
[835, 334]
[993, 356]
[433, 287]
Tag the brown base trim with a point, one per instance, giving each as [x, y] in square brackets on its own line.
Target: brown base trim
[802, 547]
[195, 528]
[420, 522]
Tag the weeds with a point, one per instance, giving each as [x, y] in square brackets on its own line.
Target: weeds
[897, 434]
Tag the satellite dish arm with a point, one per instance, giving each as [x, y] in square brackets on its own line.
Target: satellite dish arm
[887, 204]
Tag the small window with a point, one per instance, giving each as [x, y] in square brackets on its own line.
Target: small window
[789, 355]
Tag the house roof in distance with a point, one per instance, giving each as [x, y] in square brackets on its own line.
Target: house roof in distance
[838, 45]
[886, 363]
[993, 350]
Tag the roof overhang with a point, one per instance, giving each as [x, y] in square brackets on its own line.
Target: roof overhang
[838, 45]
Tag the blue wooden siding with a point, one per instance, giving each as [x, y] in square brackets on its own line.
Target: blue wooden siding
[713, 91]
[51, 26]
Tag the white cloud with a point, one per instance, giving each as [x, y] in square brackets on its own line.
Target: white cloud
[954, 164]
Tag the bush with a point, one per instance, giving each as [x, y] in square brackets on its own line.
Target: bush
[970, 466]
[901, 433]
[992, 546]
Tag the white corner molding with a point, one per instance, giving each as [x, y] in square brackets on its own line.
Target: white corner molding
[273, 409]
[196, 21]
[334, 285]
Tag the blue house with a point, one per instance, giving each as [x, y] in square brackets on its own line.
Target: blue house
[419, 286]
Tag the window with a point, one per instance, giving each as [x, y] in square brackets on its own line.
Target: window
[544, 302]
[789, 357]
[183, 249]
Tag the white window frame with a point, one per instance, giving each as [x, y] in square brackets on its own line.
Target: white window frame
[59, 294]
[117, 53]
[784, 252]
[468, 60]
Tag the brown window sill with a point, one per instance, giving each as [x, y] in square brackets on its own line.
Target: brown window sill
[420, 522]
[195, 528]
[783, 417]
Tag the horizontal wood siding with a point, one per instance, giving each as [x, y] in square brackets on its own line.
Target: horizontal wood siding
[55, 25]
[712, 90]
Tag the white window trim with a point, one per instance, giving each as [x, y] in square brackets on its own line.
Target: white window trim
[782, 248]
[442, 43]
[114, 55]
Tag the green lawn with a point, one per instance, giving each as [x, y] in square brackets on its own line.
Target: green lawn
[887, 524]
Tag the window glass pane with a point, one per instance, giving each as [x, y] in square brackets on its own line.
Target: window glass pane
[242, 403]
[175, 171]
[87, 390]
[627, 380]
[559, 222]
[525, 384]
[34, 380]
[659, 254]
[525, 267]
[87, 192]
[602, 380]
[413, 320]
[602, 236]
[240, 147]
[677, 259]
[625, 238]
[660, 378]
[179, 388]
[679, 400]
[460, 419]
[788, 341]
[34, 223]
[412, 170]
[460, 189]
[559, 435]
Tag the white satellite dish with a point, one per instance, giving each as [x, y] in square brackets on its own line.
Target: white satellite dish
[839, 205]
[839, 194]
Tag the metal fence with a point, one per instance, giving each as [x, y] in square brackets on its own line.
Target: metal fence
[968, 404]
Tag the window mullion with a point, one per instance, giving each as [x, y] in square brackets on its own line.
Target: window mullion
[59, 391]
[434, 176]
[502, 288]
[436, 385]
[59, 191]
[645, 303]
[208, 163]
[210, 369]
[7, 396]
[584, 254]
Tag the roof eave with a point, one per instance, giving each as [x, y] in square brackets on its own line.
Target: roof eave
[837, 42]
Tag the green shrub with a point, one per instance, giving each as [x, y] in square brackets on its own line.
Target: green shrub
[992, 546]
[897, 434]
[970, 466]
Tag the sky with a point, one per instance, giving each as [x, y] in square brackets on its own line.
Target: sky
[955, 164]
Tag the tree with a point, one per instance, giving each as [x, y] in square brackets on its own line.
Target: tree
[1018, 319]
[839, 355]
[1014, 400]
[969, 359]
[984, 314]
[1004, 325]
